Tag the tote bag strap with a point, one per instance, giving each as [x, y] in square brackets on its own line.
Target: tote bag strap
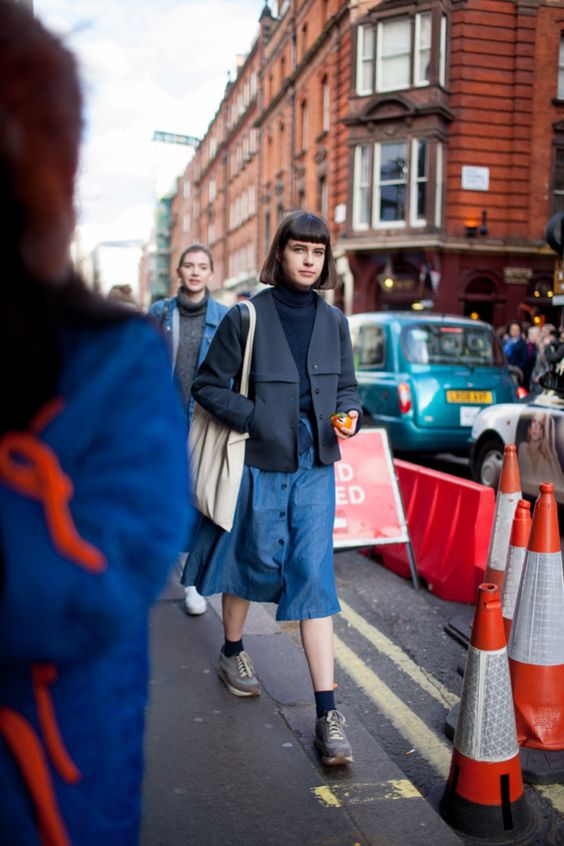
[246, 366]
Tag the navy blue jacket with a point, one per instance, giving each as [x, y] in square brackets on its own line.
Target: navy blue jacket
[271, 412]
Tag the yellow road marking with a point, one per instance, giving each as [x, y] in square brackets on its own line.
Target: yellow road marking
[364, 793]
[554, 793]
[387, 647]
[401, 788]
[402, 718]
[326, 795]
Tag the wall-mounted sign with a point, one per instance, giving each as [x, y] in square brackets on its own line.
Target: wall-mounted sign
[475, 178]
[340, 213]
[517, 275]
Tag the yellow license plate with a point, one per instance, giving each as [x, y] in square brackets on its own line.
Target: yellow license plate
[476, 397]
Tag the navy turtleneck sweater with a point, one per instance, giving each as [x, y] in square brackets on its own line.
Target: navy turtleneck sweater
[296, 310]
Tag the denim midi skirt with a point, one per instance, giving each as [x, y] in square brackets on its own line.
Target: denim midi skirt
[280, 548]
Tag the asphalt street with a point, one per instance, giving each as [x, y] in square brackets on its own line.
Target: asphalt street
[225, 771]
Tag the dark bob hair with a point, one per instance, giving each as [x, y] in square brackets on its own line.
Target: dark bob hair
[300, 226]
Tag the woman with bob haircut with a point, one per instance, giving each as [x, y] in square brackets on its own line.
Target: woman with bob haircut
[92, 445]
[280, 548]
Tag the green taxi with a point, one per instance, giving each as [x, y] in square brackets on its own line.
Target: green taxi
[425, 377]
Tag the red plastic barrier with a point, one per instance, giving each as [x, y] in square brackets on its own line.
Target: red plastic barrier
[450, 522]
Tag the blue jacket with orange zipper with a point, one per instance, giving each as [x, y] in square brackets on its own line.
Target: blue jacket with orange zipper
[93, 508]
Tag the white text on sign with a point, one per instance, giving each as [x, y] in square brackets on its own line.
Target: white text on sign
[347, 494]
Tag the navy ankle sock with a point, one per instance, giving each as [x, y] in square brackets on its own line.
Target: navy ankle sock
[324, 701]
[232, 647]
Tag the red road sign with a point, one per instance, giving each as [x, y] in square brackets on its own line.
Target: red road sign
[369, 509]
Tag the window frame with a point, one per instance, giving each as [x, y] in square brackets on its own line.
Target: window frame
[357, 225]
[325, 105]
[415, 180]
[376, 186]
[304, 127]
[417, 49]
[443, 50]
[380, 58]
[558, 150]
[361, 59]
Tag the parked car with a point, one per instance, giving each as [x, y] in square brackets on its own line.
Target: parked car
[536, 428]
[425, 377]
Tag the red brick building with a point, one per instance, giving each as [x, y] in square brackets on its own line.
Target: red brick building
[430, 135]
[454, 156]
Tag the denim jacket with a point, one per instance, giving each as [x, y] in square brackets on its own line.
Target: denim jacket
[165, 313]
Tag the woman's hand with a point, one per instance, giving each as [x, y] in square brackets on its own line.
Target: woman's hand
[348, 431]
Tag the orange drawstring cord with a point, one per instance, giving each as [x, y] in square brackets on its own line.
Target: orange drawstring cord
[33, 469]
[28, 754]
[43, 675]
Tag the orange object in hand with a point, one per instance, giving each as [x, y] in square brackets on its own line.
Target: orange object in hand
[342, 420]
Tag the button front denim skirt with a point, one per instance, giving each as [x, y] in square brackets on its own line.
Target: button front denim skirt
[280, 548]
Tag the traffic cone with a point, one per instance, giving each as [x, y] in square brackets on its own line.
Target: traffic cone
[508, 495]
[536, 648]
[484, 797]
[518, 541]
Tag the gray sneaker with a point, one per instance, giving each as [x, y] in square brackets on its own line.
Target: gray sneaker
[238, 674]
[331, 740]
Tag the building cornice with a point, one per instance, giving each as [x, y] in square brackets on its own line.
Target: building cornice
[305, 63]
[410, 241]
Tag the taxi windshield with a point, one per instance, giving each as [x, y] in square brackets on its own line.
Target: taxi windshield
[443, 343]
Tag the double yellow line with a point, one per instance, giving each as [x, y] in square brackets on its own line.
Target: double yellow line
[432, 747]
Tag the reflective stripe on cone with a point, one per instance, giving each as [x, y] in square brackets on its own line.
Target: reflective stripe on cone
[509, 494]
[517, 552]
[536, 642]
[484, 797]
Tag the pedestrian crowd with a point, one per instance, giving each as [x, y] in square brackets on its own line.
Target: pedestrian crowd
[530, 351]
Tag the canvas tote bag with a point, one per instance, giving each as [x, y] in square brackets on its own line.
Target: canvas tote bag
[217, 453]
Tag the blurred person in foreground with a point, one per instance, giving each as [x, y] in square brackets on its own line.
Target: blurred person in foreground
[93, 490]
[188, 322]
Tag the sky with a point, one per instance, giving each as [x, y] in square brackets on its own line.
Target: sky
[145, 65]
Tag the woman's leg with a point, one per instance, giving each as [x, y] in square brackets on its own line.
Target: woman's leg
[235, 666]
[235, 612]
[330, 738]
[317, 640]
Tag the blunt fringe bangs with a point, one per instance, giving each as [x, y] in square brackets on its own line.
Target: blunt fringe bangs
[300, 226]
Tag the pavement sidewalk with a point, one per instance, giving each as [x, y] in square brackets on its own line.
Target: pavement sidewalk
[225, 771]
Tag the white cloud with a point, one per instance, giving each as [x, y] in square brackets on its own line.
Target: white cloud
[144, 66]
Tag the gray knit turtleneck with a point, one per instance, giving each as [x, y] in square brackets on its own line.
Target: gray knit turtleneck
[192, 320]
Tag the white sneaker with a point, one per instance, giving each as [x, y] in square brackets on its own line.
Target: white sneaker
[193, 602]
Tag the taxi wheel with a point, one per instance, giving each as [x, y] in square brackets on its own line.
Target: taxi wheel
[487, 464]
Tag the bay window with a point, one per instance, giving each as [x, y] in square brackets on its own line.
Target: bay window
[391, 184]
[395, 53]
